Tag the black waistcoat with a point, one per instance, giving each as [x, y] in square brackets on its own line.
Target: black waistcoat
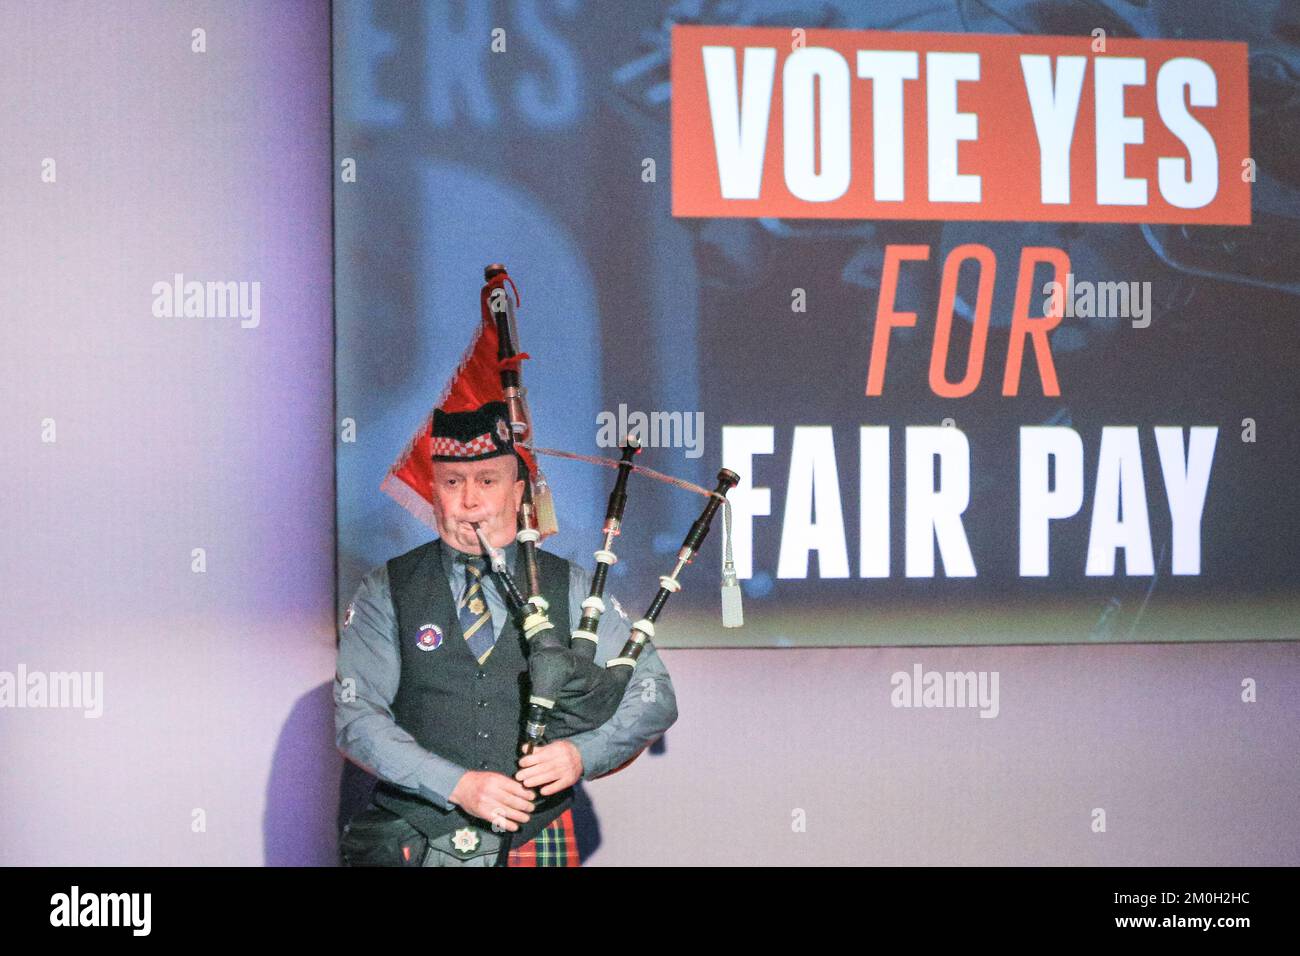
[469, 713]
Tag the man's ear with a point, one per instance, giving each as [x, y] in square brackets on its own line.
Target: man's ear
[519, 494]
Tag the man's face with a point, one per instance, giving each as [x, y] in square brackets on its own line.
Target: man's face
[485, 492]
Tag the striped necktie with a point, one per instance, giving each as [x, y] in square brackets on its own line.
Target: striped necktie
[475, 616]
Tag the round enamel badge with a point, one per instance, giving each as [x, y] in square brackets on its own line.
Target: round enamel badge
[429, 638]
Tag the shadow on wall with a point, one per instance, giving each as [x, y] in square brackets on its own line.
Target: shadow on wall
[302, 794]
[313, 791]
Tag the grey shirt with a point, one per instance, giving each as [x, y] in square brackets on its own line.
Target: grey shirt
[369, 668]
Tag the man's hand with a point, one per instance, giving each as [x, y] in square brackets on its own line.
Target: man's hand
[494, 797]
[552, 767]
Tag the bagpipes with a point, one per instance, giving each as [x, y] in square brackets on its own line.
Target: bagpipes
[569, 692]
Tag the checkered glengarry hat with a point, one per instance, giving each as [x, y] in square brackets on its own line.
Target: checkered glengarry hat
[471, 436]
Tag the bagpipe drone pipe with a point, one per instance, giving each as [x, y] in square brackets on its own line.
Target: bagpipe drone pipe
[568, 692]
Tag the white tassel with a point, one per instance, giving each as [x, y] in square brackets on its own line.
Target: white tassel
[733, 615]
[544, 506]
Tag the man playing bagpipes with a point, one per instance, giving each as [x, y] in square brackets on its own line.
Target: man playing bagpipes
[440, 672]
[453, 652]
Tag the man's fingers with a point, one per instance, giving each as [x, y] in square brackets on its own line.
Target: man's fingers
[540, 775]
[520, 800]
[523, 775]
[501, 819]
[536, 765]
[518, 789]
[500, 783]
[547, 752]
[509, 813]
[501, 813]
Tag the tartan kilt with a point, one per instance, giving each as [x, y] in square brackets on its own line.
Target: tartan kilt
[554, 846]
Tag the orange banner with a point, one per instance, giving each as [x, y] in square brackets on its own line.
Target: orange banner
[862, 124]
